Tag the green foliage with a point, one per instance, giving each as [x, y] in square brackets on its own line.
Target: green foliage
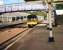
[40, 13]
[59, 6]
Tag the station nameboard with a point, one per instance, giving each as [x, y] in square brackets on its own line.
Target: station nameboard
[58, 0]
[59, 12]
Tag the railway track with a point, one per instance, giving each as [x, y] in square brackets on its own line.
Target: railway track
[28, 42]
[37, 39]
[7, 43]
[12, 26]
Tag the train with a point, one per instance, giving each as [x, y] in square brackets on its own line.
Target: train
[32, 20]
[29, 20]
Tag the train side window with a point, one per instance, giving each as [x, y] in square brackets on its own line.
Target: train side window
[21, 17]
[13, 18]
[17, 18]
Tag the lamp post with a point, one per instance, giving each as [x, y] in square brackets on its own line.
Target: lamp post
[49, 14]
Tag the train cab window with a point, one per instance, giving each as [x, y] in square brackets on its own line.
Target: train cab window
[31, 16]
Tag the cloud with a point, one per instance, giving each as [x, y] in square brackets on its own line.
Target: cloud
[1, 2]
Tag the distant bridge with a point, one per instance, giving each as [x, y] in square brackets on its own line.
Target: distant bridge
[26, 6]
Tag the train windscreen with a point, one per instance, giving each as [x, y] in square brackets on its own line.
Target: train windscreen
[31, 16]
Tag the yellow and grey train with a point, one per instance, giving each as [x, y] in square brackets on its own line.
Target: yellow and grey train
[32, 20]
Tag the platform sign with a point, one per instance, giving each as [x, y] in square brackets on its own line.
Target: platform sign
[58, 0]
[59, 12]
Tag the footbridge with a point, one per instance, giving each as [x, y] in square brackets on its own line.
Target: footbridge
[26, 6]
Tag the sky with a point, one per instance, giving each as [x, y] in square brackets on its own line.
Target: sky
[1, 2]
[10, 1]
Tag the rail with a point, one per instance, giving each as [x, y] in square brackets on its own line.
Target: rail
[11, 40]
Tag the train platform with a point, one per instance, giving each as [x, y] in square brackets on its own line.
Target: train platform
[37, 39]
